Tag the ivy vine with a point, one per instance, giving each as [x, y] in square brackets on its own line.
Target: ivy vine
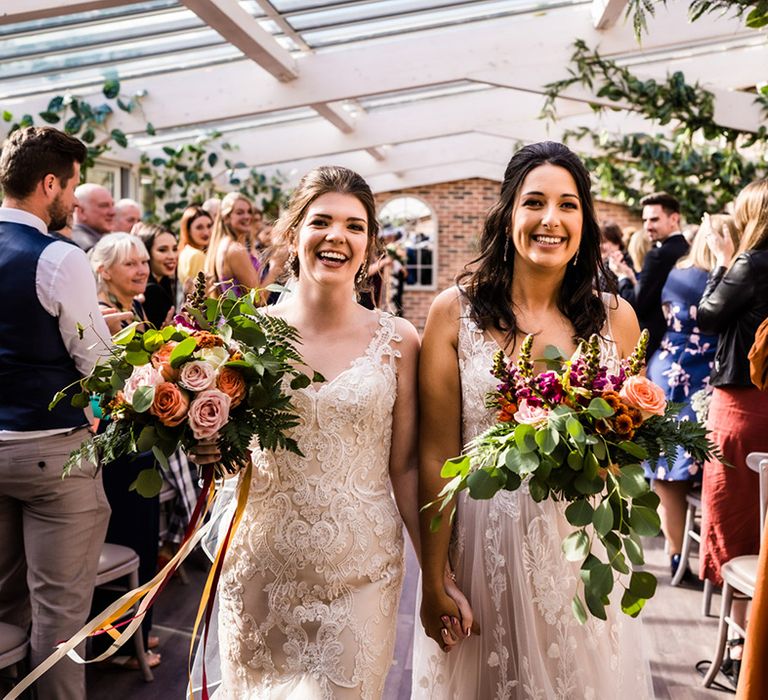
[700, 161]
[88, 122]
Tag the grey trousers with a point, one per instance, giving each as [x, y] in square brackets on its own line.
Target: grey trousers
[51, 533]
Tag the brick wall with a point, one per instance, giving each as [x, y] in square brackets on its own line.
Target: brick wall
[460, 208]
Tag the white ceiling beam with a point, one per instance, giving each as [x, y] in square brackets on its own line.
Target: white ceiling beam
[12, 11]
[336, 115]
[242, 30]
[285, 26]
[518, 52]
[376, 153]
[605, 13]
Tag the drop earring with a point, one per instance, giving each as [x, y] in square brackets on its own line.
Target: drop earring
[576, 257]
[506, 250]
[290, 262]
[362, 274]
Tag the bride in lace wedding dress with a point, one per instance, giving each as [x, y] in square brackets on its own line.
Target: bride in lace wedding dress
[310, 585]
[537, 272]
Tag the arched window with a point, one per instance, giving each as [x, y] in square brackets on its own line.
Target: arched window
[410, 225]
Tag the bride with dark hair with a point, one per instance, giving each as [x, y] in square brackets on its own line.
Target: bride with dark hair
[537, 272]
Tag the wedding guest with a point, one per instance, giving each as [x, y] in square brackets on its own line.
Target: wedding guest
[51, 529]
[228, 260]
[733, 305]
[127, 214]
[121, 265]
[537, 272]
[160, 295]
[681, 366]
[94, 215]
[212, 206]
[318, 556]
[661, 223]
[196, 225]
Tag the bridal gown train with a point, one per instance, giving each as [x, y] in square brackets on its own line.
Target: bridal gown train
[508, 562]
[310, 587]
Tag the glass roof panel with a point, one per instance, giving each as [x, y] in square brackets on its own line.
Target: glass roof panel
[319, 28]
[64, 19]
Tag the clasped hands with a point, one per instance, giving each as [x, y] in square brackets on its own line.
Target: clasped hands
[446, 614]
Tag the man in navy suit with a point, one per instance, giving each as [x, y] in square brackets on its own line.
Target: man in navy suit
[661, 222]
[51, 529]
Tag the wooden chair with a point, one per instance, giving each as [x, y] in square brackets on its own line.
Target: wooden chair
[115, 562]
[739, 574]
[14, 644]
[692, 535]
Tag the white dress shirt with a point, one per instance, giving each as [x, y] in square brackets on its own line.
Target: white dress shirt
[66, 289]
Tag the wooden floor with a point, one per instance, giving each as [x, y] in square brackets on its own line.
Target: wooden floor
[674, 634]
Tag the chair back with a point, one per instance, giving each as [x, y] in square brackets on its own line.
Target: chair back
[758, 462]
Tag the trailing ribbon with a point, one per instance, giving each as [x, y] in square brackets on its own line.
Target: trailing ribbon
[146, 594]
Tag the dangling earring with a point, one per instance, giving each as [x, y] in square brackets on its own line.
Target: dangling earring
[289, 264]
[362, 273]
[506, 250]
[576, 257]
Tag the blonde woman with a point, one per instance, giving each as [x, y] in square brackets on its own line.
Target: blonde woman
[733, 305]
[681, 366]
[228, 261]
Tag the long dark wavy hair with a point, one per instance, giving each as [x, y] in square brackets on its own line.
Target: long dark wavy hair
[487, 280]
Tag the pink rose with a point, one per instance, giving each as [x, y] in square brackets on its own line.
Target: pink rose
[208, 413]
[197, 375]
[644, 395]
[145, 375]
[532, 415]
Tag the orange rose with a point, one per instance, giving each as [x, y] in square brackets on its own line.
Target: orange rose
[644, 395]
[161, 360]
[232, 383]
[170, 404]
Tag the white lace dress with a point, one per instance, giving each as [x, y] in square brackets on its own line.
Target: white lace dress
[508, 562]
[311, 584]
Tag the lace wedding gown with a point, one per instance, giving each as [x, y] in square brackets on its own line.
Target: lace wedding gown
[508, 562]
[311, 584]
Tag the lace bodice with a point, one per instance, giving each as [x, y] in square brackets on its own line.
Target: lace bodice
[317, 561]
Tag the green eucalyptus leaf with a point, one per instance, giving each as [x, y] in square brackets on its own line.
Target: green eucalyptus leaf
[147, 438]
[148, 483]
[125, 335]
[633, 449]
[575, 460]
[631, 605]
[81, 400]
[603, 518]
[642, 584]
[547, 439]
[143, 398]
[538, 489]
[111, 88]
[576, 546]
[579, 513]
[578, 610]
[182, 352]
[300, 381]
[575, 430]
[58, 396]
[599, 408]
[455, 466]
[483, 485]
[137, 357]
[632, 480]
[644, 521]
[525, 437]
[634, 549]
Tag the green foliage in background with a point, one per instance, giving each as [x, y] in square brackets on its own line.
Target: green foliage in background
[701, 162]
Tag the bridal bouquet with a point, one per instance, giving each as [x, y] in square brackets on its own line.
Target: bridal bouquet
[216, 372]
[577, 433]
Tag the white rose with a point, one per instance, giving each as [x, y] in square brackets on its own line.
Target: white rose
[216, 356]
[145, 375]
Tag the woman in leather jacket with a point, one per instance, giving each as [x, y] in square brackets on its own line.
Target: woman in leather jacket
[734, 303]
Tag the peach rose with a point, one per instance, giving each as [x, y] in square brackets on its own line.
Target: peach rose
[232, 383]
[208, 413]
[644, 395]
[197, 375]
[161, 360]
[170, 404]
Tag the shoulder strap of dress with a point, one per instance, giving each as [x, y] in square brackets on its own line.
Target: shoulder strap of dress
[386, 335]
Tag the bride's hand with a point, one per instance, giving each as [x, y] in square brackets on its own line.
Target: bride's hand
[441, 619]
[205, 452]
[468, 622]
